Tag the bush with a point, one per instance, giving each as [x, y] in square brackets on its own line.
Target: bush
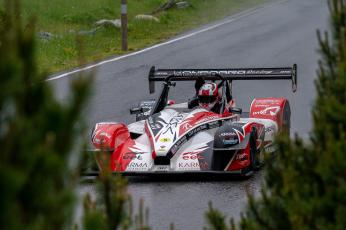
[37, 134]
[305, 186]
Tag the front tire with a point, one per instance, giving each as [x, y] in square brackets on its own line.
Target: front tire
[221, 159]
[254, 153]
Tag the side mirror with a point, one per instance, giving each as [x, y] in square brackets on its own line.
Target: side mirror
[138, 110]
[235, 110]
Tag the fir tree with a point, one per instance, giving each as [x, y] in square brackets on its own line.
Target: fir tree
[37, 133]
[113, 206]
[305, 185]
[38, 136]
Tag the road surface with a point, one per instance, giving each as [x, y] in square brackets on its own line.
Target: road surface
[277, 34]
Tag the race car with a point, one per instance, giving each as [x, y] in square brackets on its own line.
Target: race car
[184, 138]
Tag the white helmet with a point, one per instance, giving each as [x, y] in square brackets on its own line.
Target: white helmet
[208, 95]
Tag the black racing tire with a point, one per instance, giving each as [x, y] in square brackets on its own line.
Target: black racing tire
[220, 160]
[254, 165]
[286, 119]
[254, 154]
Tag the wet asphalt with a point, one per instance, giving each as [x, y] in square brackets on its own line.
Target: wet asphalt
[276, 34]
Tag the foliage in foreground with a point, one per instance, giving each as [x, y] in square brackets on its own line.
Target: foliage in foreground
[113, 206]
[305, 186]
[37, 134]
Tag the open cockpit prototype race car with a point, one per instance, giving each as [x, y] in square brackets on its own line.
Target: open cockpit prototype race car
[180, 138]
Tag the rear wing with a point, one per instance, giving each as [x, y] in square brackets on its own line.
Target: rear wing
[166, 75]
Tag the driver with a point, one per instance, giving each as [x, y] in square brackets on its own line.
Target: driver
[208, 97]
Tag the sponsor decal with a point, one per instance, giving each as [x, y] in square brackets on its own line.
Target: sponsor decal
[192, 156]
[161, 73]
[241, 157]
[161, 168]
[174, 149]
[228, 134]
[272, 111]
[230, 141]
[186, 73]
[267, 101]
[230, 138]
[260, 72]
[193, 165]
[181, 141]
[261, 106]
[210, 118]
[133, 155]
[165, 140]
[206, 72]
[196, 130]
[177, 145]
[136, 165]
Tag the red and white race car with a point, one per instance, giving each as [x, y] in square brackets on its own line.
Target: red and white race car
[184, 138]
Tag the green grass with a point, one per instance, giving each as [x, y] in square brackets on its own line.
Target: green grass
[64, 18]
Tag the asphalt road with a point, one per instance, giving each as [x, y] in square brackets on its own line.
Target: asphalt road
[276, 34]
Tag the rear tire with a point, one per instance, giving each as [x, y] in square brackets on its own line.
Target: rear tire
[286, 119]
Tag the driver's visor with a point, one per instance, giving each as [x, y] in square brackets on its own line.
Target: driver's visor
[206, 99]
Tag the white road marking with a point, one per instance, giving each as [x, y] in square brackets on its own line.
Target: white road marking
[232, 19]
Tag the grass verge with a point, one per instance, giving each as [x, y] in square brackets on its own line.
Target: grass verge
[65, 19]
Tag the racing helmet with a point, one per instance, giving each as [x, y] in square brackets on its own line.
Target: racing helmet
[208, 95]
